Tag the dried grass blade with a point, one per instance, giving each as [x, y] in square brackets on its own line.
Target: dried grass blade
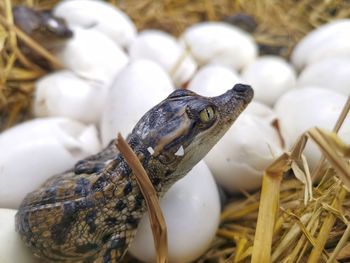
[302, 244]
[3, 37]
[226, 233]
[9, 66]
[293, 233]
[157, 221]
[342, 116]
[231, 213]
[268, 208]
[279, 224]
[337, 126]
[342, 148]
[341, 244]
[307, 233]
[9, 19]
[326, 229]
[338, 163]
[269, 203]
[298, 148]
[345, 252]
[308, 178]
[240, 248]
[301, 176]
[19, 74]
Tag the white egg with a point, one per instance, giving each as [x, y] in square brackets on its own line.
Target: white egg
[64, 94]
[328, 40]
[98, 15]
[12, 248]
[164, 49]
[301, 109]
[191, 209]
[213, 80]
[33, 151]
[240, 157]
[262, 111]
[140, 86]
[220, 43]
[92, 55]
[332, 73]
[270, 77]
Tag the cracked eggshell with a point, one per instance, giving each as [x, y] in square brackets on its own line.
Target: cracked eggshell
[140, 86]
[220, 43]
[301, 109]
[238, 160]
[98, 15]
[329, 40]
[12, 248]
[332, 73]
[270, 77]
[191, 209]
[164, 49]
[63, 94]
[213, 80]
[92, 55]
[33, 151]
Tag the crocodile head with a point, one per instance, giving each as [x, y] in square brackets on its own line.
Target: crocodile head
[181, 130]
[42, 26]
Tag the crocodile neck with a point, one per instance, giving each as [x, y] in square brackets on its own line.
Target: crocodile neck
[161, 175]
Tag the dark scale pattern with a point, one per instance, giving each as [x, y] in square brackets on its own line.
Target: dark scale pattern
[131, 221]
[90, 219]
[120, 205]
[83, 186]
[86, 248]
[60, 231]
[106, 238]
[139, 201]
[128, 188]
[90, 213]
[111, 221]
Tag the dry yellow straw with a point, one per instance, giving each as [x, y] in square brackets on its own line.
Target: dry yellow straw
[269, 204]
[156, 218]
[269, 201]
[326, 229]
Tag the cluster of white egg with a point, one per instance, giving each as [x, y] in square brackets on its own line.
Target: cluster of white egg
[114, 75]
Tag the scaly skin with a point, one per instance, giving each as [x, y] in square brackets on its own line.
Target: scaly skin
[91, 213]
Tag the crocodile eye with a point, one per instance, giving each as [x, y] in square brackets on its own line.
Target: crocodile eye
[207, 114]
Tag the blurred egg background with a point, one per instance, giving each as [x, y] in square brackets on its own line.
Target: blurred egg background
[114, 60]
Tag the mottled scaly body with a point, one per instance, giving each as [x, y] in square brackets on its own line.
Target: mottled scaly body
[91, 213]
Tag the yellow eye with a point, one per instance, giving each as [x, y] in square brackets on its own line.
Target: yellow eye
[207, 114]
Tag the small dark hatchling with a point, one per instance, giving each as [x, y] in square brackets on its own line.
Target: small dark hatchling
[91, 213]
[47, 30]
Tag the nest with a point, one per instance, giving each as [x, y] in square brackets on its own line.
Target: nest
[309, 223]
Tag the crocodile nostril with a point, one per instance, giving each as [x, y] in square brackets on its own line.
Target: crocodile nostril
[244, 92]
[241, 88]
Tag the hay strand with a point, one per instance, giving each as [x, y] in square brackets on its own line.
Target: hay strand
[326, 229]
[268, 209]
[156, 217]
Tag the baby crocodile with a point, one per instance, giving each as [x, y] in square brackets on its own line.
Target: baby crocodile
[91, 213]
[49, 31]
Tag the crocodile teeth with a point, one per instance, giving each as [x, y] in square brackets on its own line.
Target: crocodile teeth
[150, 150]
[180, 151]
